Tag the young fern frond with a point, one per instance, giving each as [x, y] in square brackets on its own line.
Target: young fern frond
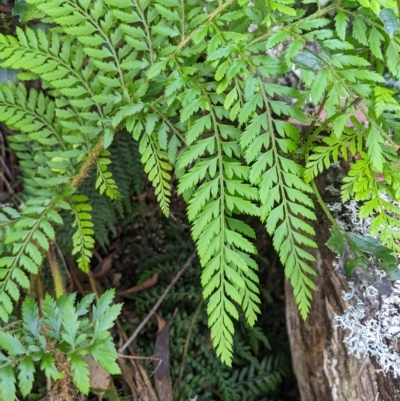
[157, 167]
[83, 238]
[105, 182]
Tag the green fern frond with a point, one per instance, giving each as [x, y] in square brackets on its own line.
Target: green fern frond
[221, 191]
[157, 167]
[195, 89]
[105, 182]
[83, 240]
[127, 168]
[33, 114]
[284, 195]
[322, 156]
[28, 237]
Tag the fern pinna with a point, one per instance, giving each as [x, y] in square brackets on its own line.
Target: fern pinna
[196, 87]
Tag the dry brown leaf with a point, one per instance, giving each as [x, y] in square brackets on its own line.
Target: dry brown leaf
[128, 373]
[152, 281]
[160, 323]
[103, 267]
[162, 374]
[116, 279]
[99, 378]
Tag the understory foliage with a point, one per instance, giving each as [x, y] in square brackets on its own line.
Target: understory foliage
[261, 358]
[59, 339]
[198, 88]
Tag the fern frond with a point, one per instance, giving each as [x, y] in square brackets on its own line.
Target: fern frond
[41, 137]
[29, 235]
[105, 182]
[83, 240]
[283, 193]
[127, 171]
[96, 27]
[380, 202]
[157, 167]
[322, 156]
[218, 190]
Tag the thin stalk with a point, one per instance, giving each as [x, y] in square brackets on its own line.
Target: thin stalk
[320, 108]
[323, 206]
[147, 29]
[317, 14]
[183, 19]
[55, 271]
[186, 349]
[188, 38]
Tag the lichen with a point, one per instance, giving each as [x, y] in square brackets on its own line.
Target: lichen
[377, 334]
[373, 316]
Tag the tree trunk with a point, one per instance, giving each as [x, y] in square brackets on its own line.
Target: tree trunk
[321, 362]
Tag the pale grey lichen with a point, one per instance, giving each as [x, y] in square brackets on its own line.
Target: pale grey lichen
[347, 216]
[373, 317]
[374, 335]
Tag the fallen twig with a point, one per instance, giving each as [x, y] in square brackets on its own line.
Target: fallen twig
[158, 303]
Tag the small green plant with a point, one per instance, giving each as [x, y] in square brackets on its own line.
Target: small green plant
[57, 341]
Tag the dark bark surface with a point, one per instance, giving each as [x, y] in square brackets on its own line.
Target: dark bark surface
[388, 386]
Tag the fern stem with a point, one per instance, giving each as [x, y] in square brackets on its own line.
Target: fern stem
[312, 125]
[140, 372]
[166, 120]
[146, 28]
[183, 19]
[323, 126]
[10, 190]
[307, 146]
[55, 271]
[367, 115]
[323, 206]
[75, 279]
[87, 165]
[106, 38]
[188, 38]
[39, 292]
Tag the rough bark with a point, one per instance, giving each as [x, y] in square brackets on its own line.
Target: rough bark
[388, 386]
[321, 363]
[323, 368]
